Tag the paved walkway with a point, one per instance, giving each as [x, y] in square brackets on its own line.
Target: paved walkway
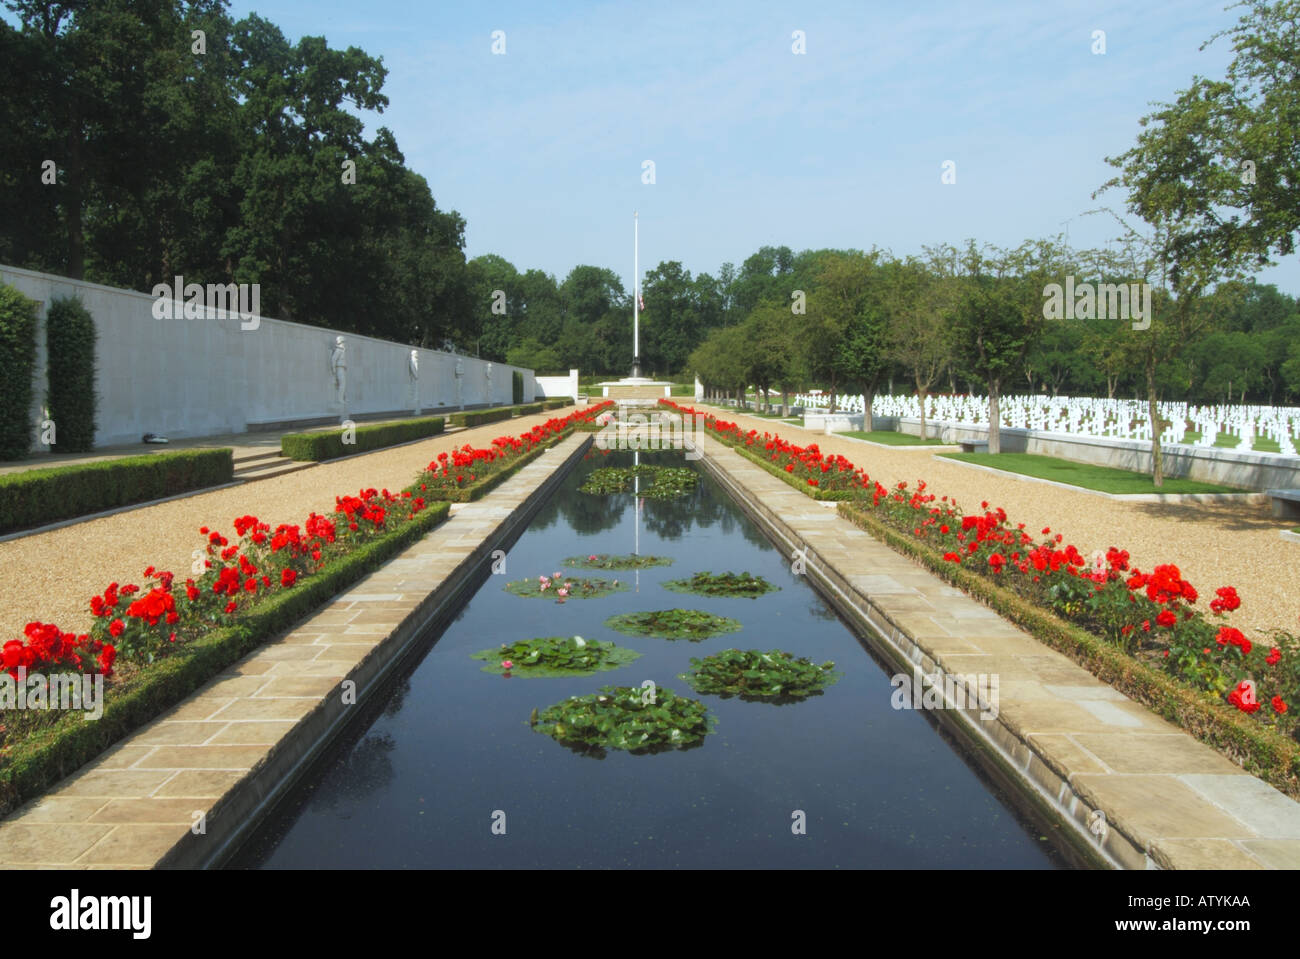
[1213, 544]
[185, 785]
[49, 577]
[1169, 800]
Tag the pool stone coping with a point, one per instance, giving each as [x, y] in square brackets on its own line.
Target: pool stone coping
[186, 789]
[1136, 791]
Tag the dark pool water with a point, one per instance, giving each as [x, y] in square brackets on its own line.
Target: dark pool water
[418, 779]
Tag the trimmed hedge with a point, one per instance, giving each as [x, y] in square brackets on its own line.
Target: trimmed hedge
[516, 387]
[60, 749]
[35, 497]
[1260, 751]
[329, 444]
[555, 404]
[17, 363]
[528, 409]
[471, 418]
[70, 333]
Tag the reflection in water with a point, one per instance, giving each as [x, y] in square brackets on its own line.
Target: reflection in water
[415, 784]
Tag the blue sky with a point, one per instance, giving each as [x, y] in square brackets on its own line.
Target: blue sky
[541, 149]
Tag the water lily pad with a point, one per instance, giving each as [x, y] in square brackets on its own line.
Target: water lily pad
[659, 482]
[613, 561]
[562, 588]
[775, 676]
[722, 584]
[549, 656]
[638, 720]
[692, 624]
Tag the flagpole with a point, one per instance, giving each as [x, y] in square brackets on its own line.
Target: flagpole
[636, 296]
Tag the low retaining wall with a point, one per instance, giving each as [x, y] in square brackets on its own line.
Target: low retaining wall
[1226, 467]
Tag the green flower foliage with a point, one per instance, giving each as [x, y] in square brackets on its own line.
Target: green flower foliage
[639, 720]
[775, 676]
[666, 482]
[692, 624]
[576, 587]
[610, 561]
[556, 656]
[722, 584]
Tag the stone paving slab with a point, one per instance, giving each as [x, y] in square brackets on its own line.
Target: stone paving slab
[159, 797]
[1086, 749]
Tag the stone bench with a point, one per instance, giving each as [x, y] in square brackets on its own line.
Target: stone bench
[1286, 503]
[971, 446]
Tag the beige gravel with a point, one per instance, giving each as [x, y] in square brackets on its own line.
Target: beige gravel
[51, 576]
[1213, 545]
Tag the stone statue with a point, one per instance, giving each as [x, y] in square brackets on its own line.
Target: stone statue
[413, 372]
[487, 375]
[339, 367]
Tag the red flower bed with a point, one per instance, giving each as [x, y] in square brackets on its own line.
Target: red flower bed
[140, 623]
[1150, 615]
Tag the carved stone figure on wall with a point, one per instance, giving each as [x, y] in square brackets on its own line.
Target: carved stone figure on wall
[413, 374]
[339, 368]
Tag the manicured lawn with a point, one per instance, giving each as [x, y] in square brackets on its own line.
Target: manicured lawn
[1105, 479]
[890, 438]
[1263, 444]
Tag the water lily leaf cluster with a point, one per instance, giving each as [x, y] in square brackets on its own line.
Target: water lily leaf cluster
[615, 561]
[774, 676]
[692, 624]
[723, 584]
[666, 482]
[559, 588]
[548, 656]
[624, 717]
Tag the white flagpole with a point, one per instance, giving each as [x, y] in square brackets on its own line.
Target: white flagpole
[636, 295]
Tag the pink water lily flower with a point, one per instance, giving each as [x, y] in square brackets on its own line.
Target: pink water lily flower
[507, 664]
[591, 558]
[562, 592]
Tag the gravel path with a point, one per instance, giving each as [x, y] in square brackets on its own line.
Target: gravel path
[1212, 544]
[50, 577]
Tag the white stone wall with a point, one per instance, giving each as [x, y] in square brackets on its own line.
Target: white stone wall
[553, 387]
[200, 377]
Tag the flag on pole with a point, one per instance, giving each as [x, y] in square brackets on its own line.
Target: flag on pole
[641, 301]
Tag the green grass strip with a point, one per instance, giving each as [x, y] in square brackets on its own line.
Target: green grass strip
[890, 438]
[1104, 479]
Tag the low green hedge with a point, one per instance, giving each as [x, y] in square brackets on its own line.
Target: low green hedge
[38, 496]
[472, 418]
[1260, 751]
[528, 409]
[330, 444]
[555, 404]
[52, 753]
